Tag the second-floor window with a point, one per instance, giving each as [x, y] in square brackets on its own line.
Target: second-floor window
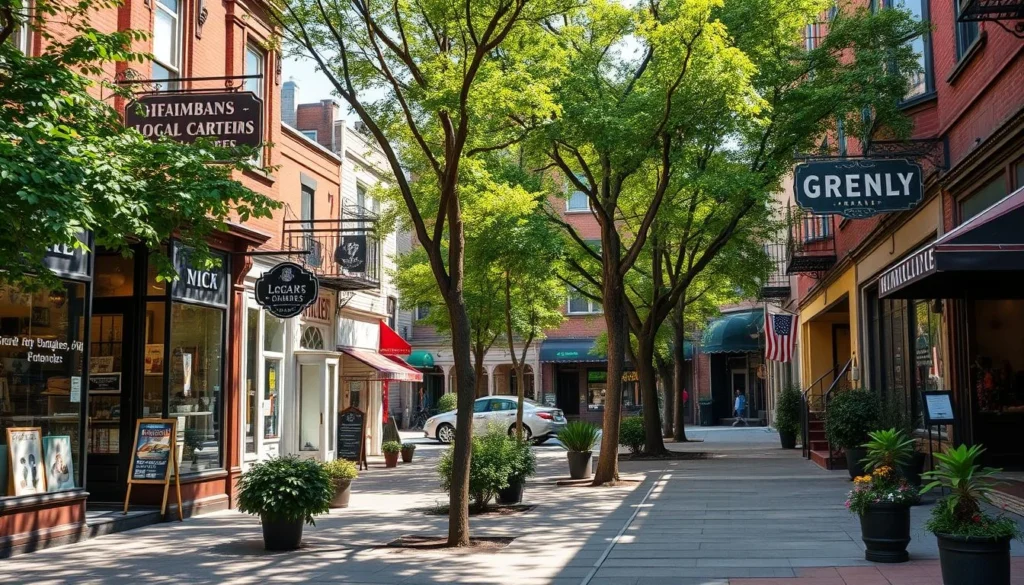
[167, 41]
[920, 80]
[308, 195]
[966, 33]
[581, 305]
[422, 311]
[255, 64]
[392, 312]
[578, 200]
[311, 134]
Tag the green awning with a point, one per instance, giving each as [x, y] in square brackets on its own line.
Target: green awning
[420, 358]
[570, 350]
[740, 332]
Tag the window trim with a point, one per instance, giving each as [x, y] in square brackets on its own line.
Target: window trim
[173, 70]
[929, 62]
[568, 203]
[421, 307]
[306, 133]
[591, 309]
[967, 58]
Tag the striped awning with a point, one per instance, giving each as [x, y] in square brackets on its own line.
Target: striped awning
[379, 367]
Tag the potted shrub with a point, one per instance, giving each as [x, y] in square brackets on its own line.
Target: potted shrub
[408, 449]
[849, 417]
[391, 449]
[631, 434]
[266, 490]
[341, 472]
[489, 467]
[578, 438]
[787, 416]
[522, 464]
[974, 547]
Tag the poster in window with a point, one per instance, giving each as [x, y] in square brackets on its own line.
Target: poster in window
[101, 364]
[154, 359]
[60, 471]
[25, 450]
[181, 369]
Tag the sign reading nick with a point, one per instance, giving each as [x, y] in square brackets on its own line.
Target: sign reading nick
[229, 119]
[858, 188]
[286, 289]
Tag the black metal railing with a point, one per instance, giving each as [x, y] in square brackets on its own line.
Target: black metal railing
[811, 244]
[776, 285]
[330, 248]
[815, 402]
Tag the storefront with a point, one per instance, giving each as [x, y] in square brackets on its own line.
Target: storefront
[734, 343]
[829, 329]
[576, 379]
[979, 269]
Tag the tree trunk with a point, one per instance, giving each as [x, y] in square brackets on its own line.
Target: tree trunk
[679, 381]
[654, 444]
[521, 391]
[665, 373]
[458, 506]
[480, 386]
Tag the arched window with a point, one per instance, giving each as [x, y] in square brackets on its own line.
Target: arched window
[312, 338]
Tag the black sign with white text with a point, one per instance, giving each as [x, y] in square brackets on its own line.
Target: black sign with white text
[857, 188]
[195, 283]
[910, 269]
[229, 119]
[351, 254]
[70, 261]
[286, 289]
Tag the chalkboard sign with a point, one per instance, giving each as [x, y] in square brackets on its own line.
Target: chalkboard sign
[352, 435]
[155, 457]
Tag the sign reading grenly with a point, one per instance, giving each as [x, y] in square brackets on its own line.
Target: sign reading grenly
[352, 435]
[286, 289]
[351, 254]
[228, 119]
[858, 188]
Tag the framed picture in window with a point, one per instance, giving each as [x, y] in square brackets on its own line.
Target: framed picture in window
[40, 317]
[27, 467]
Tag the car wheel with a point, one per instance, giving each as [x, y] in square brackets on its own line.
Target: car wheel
[446, 433]
[527, 434]
[541, 440]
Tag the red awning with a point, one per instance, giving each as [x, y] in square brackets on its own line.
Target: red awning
[391, 369]
[391, 343]
[405, 365]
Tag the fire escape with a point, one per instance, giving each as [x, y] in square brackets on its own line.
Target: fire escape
[776, 286]
[344, 253]
[1000, 12]
[811, 243]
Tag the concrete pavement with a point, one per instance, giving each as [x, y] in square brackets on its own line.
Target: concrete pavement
[751, 514]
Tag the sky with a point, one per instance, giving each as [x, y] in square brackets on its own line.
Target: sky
[313, 85]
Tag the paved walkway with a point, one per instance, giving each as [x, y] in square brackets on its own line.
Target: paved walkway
[752, 514]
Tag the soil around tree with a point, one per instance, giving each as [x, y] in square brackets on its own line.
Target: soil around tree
[493, 509]
[440, 543]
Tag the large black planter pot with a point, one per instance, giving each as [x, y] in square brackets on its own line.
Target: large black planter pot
[854, 455]
[513, 494]
[974, 561]
[788, 440]
[579, 464]
[914, 468]
[282, 534]
[885, 529]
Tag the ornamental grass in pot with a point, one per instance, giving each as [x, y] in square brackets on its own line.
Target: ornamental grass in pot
[408, 450]
[341, 472]
[391, 450]
[849, 417]
[974, 546]
[787, 416]
[286, 493]
[578, 438]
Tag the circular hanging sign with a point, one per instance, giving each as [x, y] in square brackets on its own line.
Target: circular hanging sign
[286, 289]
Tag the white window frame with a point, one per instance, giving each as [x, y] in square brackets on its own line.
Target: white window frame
[173, 69]
[257, 436]
[569, 208]
[593, 307]
[311, 134]
[22, 36]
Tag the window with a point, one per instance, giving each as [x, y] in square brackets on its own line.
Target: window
[255, 64]
[966, 33]
[167, 41]
[252, 357]
[197, 351]
[480, 406]
[841, 136]
[310, 415]
[311, 134]
[920, 80]
[360, 200]
[422, 311]
[392, 312]
[42, 387]
[578, 200]
[20, 38]
[307, 205]
[581, 305]
[273, 348]
[982, 199]
[811, 36]
[1019, 173]
[312, 338]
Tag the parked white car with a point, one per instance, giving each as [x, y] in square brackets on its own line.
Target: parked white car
[540, 422]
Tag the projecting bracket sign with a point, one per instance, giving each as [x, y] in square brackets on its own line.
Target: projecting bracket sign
[286, 289]
[858, 188]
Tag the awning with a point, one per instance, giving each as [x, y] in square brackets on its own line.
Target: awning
[734, 333]
[570, 350]
[421, 358]
[983, 258]
[379, 367]
[391, 343]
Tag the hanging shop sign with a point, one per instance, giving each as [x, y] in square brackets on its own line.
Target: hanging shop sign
[351, 254]
[286, 289]
[858, 188]
[70, 261]
[198, 284]
[229, 119]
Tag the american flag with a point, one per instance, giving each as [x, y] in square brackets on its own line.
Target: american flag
[780, 337]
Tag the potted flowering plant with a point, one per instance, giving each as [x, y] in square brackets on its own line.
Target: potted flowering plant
[882, 500]
[391, 449]
[974, 546]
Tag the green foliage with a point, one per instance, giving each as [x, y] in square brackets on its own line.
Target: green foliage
[889, 448]
[631, 434]
[341, 469]
[849, 417]
[883, 486]
[578, 436]
[390, 447]
[286, 488]
[496, 458]
[447, 403]
[944, 520]
[969, 484]
[408, 446]
[893, 414]
[67, 164]
[787, 411]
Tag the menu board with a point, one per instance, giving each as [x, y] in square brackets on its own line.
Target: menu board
[352, 435]
[154, 457]
[938, 407]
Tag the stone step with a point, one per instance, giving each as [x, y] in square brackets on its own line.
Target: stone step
[822, 459]
[819, 445]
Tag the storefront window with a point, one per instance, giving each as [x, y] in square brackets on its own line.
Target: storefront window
[927, 349]
[271, 395]
[153, 384]
[273, 334]
[252, 356]
[116, 276]
[197, 350]
[998, 366]
[41, 353]
[597, 387]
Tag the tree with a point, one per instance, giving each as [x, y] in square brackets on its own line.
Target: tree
[437, 84]
[68, 164]
[721, 96]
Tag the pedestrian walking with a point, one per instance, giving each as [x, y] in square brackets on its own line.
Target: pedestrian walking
[740, 408]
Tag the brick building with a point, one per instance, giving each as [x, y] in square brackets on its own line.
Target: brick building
[873, 312]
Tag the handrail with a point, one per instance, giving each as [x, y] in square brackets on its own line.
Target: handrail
[807, 400]
[828, 397]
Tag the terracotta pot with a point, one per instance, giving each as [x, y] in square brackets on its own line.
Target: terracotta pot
[342, 492]
[391, 459]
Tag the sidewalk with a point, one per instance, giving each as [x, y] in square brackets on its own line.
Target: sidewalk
[752, 514]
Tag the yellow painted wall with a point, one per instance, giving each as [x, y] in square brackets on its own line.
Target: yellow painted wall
[816, 327]
[924, 225]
